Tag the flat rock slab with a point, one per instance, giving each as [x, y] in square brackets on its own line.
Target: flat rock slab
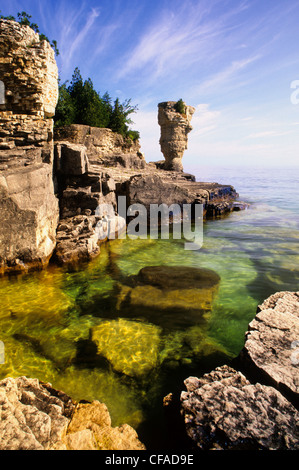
[271, 350]
[223, 410]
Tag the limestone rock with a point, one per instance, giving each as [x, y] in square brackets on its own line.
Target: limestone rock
[29, 211]
[28, 202]
[222, 410]
[175, 128]
[71, 159]
[103, 146]
[90, 429]
[28, 70]
[34, 416]
[271, 349]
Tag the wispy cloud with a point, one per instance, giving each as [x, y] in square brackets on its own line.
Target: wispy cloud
[75, 33]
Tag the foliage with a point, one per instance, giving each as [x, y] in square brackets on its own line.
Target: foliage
[24, 19]
[80, 103]
[180, 107]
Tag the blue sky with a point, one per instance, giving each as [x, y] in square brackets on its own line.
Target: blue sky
[233, 60]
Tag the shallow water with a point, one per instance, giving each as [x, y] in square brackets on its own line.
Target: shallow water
[65, 327]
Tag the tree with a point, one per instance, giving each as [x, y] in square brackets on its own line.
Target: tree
[80, 103]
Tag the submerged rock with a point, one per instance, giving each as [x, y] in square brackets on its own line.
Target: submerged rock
[182, 295]
[131, 347]
[223, 410]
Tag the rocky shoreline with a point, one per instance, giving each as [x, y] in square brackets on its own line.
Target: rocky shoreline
[249, 404]
[252, 403]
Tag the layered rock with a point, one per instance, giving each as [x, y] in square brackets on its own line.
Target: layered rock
[223, 410]
[255, 407]
[29, 206]
[175, 127]
[103, 146]
[34, 416]
[271, 350]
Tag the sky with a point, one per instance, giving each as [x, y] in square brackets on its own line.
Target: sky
[235, 61]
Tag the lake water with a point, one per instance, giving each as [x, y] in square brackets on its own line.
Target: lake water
[48, 318]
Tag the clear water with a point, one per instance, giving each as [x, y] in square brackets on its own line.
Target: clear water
[48, 319]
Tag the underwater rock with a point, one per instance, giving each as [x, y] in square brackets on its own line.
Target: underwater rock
[131, 347]
[182, 295]
[223, 410]
[271, 350]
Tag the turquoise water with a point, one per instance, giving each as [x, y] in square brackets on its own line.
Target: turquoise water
[52, 322]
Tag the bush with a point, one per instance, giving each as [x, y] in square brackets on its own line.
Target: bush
[180, 107]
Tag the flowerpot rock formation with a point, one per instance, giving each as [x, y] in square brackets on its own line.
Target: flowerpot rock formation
[175, 127]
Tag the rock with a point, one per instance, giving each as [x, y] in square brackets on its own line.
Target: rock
[271, 345]
[29, 206]
[104, 146]
[173, 296]
[34, 416]
[77, 242]
[28, 70]
[71, 159]
[131, 347]
[175, 127]
[90, 429]
[222, 410]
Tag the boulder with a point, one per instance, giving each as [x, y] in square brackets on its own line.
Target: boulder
[223, 410]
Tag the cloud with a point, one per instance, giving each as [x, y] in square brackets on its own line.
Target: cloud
[180, 37]
[73, 35]
[228, 75]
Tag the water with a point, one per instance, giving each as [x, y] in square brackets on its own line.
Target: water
[69, 329]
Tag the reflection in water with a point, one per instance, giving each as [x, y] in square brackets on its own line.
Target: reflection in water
[94, 335]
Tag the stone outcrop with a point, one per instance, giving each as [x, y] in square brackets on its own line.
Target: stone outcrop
[175, 127]
[271, 350]
[45, 187]
[34, 416]
[253, 403]
[28, 71]
[29, 206]
[223, 410]
[103, 146]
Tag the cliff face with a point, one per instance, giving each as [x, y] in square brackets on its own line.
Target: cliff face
[175, 128]
[29, 207]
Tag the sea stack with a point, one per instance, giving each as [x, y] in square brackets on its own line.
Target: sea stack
[174, 119]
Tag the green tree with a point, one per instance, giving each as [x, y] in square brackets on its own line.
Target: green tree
[65, 111]
[80, 103]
